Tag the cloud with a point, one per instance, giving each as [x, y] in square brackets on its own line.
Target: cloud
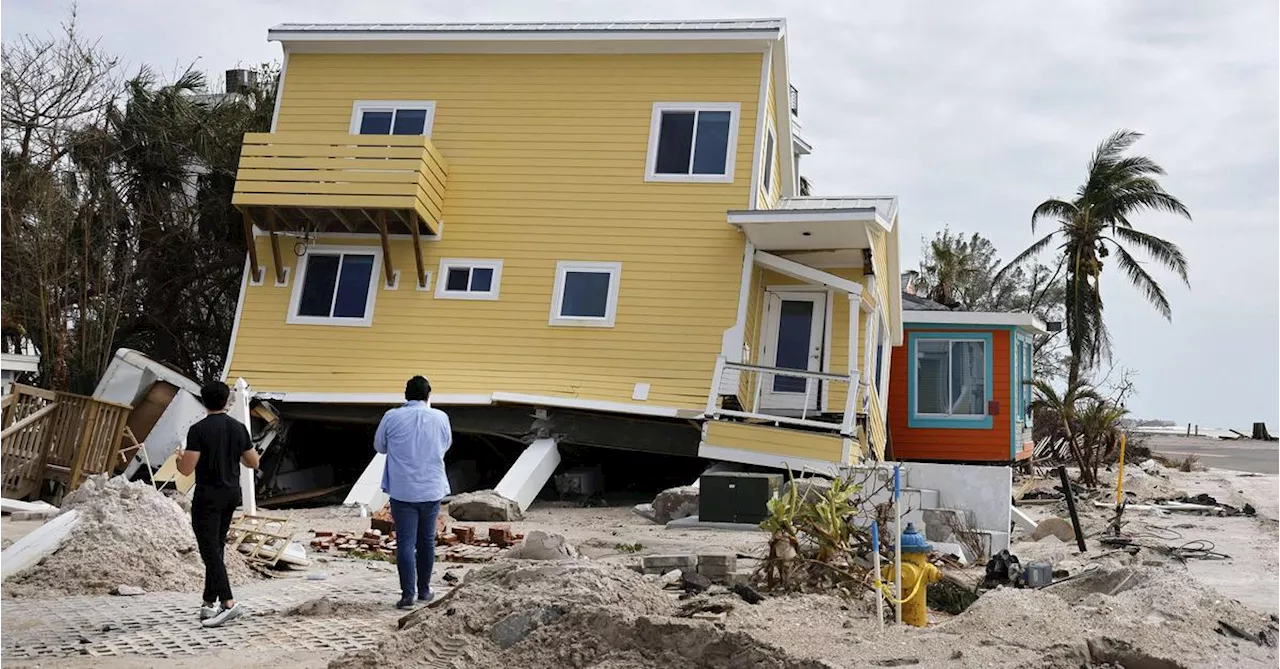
[971, 113]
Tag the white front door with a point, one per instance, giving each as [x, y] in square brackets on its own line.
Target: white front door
[794, 323]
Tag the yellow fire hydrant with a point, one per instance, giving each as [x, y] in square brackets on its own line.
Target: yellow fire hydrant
[917, 574]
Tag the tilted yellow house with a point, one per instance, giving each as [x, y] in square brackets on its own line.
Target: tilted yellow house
[595, 218]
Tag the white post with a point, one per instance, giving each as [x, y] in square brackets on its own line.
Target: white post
[715, 387]
[897, 544]
[239, 410]
[851, 394]
[875, 571]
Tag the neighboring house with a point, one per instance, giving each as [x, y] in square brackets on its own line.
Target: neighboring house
[16, 368]
[586, 230]
[962, 384]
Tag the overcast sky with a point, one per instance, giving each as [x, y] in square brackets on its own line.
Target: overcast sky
[971, 113]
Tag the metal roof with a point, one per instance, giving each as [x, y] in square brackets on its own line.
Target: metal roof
[712, 25]
[917, 303]
[886, 206]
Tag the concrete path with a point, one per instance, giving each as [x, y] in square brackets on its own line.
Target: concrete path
[1261, 457]
[166, 625]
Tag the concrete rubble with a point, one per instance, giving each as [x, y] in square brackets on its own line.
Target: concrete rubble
[671, 504]
[483, 506]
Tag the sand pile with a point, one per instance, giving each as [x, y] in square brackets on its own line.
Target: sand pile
[563, 614]
[127, 534]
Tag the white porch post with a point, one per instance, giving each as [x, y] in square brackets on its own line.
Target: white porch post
[850, 404]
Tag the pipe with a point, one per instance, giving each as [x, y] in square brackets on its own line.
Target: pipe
[1120, 478]
[897, 545]
[875, 569]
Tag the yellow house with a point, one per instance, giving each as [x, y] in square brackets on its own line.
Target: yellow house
[591, 219]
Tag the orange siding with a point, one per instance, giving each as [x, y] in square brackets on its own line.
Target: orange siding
[951, 444]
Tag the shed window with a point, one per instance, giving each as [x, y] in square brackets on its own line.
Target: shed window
[951, 377]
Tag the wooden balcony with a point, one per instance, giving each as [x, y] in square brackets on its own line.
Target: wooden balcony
[315, 183]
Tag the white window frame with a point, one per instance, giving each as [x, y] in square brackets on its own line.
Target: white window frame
[951, 341]
[655, 126]
[613, 269]
[446, 264]
[767, 177]
[376, 280]
[359, 107]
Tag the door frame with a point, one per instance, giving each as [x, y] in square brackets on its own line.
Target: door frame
[765, 337]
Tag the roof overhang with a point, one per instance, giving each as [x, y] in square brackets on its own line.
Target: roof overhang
[812, 230]
[747, 35]
[1022, 321]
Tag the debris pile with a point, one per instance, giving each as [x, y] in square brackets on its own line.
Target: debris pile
[126, 534]
[484, 506]
[461, 543]
[565, 614]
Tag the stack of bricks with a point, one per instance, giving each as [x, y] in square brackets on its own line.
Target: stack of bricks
[719, 567]
[372, 541]
[500, 536]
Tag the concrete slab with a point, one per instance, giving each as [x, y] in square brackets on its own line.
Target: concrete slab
[529, 473]
[692, 523]
[367, 491]
[1021, 519]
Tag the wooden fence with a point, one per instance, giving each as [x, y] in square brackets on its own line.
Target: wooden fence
[57, 438]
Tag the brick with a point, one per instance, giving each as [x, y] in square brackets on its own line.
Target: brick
[465, 534]
[323, 533]
[666, 563]
[501, 535]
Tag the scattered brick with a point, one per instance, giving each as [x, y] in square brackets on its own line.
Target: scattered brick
[501, 535]
[465, 534]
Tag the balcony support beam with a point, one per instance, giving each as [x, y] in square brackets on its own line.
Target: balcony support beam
[275, 246]
[255, 271]
[381, 222]
[342, 218]
[417, 254]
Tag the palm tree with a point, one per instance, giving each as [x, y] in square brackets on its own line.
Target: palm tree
[954, 269]
[1097, 223]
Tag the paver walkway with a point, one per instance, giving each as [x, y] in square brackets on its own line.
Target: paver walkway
[166, 624]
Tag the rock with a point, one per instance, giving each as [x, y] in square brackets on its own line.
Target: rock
[645, 511]
[810, 488]
[674, 504]
[694, 582]
[484, 506]
[748, 594]
[1056, 527]
[539, 545]
[670, 578]
[516, 626]
[128, 591]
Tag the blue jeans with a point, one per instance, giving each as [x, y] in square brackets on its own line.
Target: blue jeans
[415, 545]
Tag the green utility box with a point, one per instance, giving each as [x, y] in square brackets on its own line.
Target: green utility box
[736, 497]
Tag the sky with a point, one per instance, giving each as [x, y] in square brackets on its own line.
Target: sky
[971, 113]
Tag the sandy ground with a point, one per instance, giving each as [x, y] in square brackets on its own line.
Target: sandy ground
[13, 530]
[244, 659]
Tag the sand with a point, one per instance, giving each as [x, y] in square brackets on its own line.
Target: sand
[127, 534]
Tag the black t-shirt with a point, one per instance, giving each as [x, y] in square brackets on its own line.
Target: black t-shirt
[219, 439]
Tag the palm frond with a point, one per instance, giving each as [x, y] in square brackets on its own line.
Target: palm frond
[1053, 208]
[1143, 281]
[1154, 200]
[1031, 252]
[1161, 250]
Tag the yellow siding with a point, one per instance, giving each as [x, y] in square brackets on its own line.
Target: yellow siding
[755, 308]
[876, 425]
[884, 282]
[777, 441]
[546, 162]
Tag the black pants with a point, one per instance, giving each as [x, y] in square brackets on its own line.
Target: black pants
[211, 511]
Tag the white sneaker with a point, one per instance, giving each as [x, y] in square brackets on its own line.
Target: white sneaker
[223, 615]
[208, 611]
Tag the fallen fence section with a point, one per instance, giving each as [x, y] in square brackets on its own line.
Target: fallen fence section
[56, 438]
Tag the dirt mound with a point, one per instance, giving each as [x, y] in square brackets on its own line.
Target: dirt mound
[567, 614]
[127, 534]
[323, 607]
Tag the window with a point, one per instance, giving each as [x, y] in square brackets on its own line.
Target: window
[469, 279]
[586, 293]
[1028, 353]
[882, 338]
[950, 380]
[337, 287]
[692, 142]
[392, 118]
[768, 161]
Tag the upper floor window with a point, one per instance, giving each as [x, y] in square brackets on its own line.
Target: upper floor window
[950, 380]
[337, 286]
[586, 293]
[768, 160]
[469, 279]
[692, 142]
[384, 117]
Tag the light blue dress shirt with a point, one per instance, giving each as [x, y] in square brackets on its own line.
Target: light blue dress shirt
[415, 438]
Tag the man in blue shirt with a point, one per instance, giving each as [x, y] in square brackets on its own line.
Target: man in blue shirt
[415, 438]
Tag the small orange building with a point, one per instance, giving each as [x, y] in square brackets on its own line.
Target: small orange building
[960, 385]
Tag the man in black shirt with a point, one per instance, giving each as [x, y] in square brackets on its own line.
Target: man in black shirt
[216, 446]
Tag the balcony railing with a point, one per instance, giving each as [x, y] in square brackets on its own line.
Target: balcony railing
[751, 379]
[793, 96]
[337, 182]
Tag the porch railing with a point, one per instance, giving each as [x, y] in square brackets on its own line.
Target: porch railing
[753, 379]
[59, 437]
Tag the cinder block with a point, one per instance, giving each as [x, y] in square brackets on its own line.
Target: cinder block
[728, 560]
[665, 563]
